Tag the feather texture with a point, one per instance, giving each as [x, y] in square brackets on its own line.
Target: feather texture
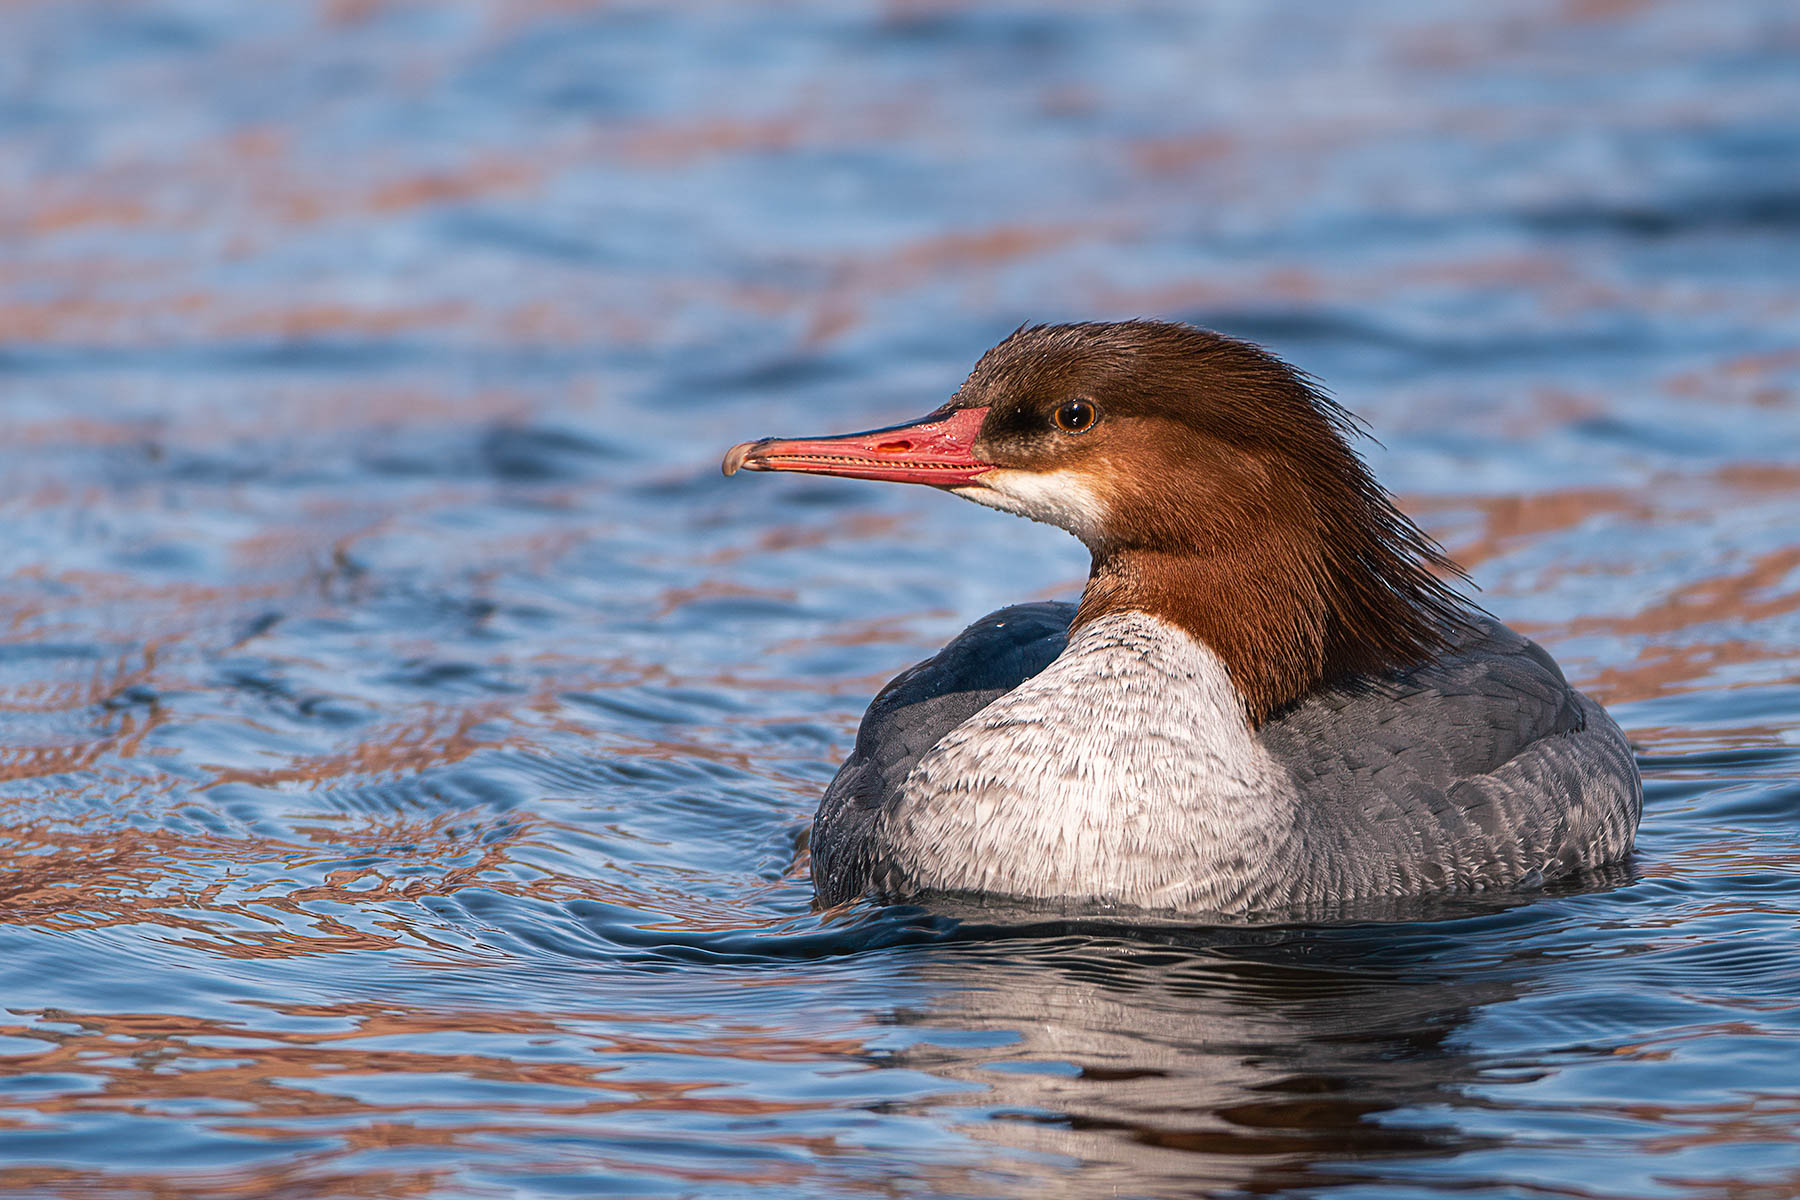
[1480, 769]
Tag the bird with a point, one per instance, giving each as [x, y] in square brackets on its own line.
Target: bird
[1272, 697]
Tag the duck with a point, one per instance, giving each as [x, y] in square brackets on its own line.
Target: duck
[1272, 696]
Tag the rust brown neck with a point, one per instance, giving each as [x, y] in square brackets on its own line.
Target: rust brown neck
[1283, 624]
[1264, 620]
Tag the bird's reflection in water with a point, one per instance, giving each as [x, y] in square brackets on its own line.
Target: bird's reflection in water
[1165, 1061]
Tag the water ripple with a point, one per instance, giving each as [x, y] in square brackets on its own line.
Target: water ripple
[407, 737]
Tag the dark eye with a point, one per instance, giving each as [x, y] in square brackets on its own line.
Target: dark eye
[1075, 416]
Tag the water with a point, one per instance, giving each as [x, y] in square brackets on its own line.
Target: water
[405, 732]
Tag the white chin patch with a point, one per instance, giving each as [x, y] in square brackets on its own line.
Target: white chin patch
[1060, 498]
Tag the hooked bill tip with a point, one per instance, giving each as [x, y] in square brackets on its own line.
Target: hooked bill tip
[734, 457]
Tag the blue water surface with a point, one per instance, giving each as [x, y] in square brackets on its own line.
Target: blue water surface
[407, 734]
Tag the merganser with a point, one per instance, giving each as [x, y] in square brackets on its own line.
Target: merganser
[1267, 700]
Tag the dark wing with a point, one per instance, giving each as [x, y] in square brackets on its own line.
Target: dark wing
[1476, 768]
[1463, 714]
[911, 715]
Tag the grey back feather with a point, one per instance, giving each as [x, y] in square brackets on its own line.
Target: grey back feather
[1476, 769]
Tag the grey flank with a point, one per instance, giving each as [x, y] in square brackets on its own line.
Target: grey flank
[1113, 769]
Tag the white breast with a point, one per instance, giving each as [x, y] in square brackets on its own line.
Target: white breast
[1124, 772]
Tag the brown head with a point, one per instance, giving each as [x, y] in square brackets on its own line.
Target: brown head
[1213, 484]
